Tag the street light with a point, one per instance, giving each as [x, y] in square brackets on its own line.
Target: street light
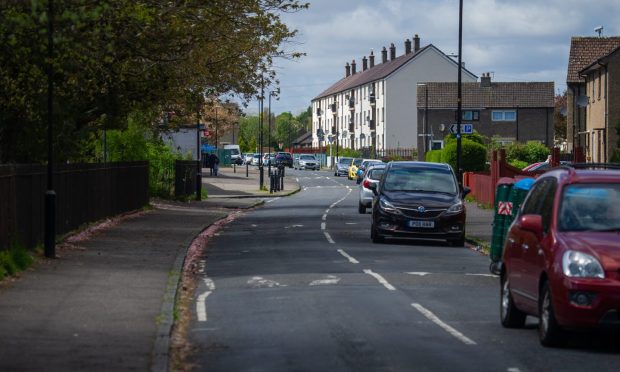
[459, 113]
[50, 194]
[216, 126]
[199, 164]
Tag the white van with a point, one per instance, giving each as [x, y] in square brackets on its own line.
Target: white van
[235, 152]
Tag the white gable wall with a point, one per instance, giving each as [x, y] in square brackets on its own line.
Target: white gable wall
[401, 87]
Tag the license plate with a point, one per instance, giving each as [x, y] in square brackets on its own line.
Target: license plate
[422, 224]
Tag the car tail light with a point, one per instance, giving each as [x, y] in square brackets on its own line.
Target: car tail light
[366, 184]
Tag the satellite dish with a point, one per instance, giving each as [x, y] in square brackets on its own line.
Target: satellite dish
[582, 101]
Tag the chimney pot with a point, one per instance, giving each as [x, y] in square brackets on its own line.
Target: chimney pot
[371, 59]
[407, 46]
[392, 52]
[353, 67]
[347, 69]
[485, 80]
[416, 43]
[364, 63]
[383, 55]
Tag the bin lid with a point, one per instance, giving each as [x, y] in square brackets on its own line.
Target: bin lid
[524, 184]
[505, 181]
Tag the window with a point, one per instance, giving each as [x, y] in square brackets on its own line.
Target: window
[504, 115]
[436, 145]
[382, 114]
[471, 115]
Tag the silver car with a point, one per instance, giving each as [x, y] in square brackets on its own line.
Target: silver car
[305, 161]
[371, 175]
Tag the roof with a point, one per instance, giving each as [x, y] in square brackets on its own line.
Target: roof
[498, 95]
[602, 60]
[304, 138]
[585, 50]
[377, 72]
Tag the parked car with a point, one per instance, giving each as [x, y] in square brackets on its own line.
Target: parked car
[342, 166]
[561, 254]
[352, 172]
[306, 161]
[372, 175]
[362, 168]
[269, 159]
[418, 200]
[284, 158]
[248, 158]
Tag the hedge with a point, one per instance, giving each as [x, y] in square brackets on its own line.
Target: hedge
[473, 156]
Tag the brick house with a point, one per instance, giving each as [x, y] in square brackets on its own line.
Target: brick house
[506, 111]
[584, 51]
[602, 87]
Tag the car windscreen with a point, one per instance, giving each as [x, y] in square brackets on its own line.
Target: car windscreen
[357, 162]
[590, 207]
[307, 157]
[344, 161]
[420, 180]
[375, 174]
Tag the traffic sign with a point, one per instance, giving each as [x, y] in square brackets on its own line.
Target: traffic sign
[465, 128]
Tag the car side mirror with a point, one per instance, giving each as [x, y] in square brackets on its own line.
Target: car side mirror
[373, 187]
[466, 190]
[531, 223]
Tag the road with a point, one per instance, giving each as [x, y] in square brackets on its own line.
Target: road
[297, 285]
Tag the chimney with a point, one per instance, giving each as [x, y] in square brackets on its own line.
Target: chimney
[407, 46]
[347, 69]
[364, 63]
[383, 55]
[392, 52]
[353, 67]
[372, 59]
[416, 43]
[485, 80]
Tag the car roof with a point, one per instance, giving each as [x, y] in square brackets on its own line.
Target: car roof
[419, 164]
[584, 173]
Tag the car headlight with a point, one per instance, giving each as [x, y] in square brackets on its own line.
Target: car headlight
[581, 265]
[388, 207]
[455, 208]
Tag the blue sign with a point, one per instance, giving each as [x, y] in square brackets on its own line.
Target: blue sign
[465, 128]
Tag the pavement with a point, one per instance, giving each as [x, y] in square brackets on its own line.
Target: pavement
[106, 302]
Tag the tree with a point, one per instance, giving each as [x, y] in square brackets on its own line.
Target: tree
[559, 119]
[115, 58]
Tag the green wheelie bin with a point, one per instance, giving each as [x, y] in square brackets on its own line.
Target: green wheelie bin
[502, 212]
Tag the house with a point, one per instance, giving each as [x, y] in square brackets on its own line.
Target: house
[506, 111]
[602, 87]
[584, 51]
[375, 107]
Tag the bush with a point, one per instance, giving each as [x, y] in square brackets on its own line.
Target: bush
[21, 257]
[473, 156]
[518, 163]
[7, 263]
[433, 156]
[531, 152]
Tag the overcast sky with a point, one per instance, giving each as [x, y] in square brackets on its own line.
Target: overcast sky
[515, 40]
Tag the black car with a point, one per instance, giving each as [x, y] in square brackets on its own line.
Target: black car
[285, 159]
[418, 200]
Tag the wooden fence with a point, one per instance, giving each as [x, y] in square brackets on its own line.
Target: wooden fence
[84, 193]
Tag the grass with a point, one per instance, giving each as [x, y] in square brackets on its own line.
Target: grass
[14, 260]
[481, 245]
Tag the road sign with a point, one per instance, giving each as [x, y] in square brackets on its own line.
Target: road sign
[465, 128]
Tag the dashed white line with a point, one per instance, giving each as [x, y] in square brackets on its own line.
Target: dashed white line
[322, 225]
[380, 279]
[487, 275]
[324, 216]
[419, 273]
[433, 318]
[513, 369]
[348, 257]
[329, 238]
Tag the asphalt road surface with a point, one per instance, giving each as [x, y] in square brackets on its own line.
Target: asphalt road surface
[297, 285]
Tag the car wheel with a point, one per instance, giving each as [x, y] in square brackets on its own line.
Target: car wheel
[336, 174]
[460, 242]
[510, 316]
[375, 236]
[361, 208]
[549, 331]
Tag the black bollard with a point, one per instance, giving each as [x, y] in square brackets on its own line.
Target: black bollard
[247, 170]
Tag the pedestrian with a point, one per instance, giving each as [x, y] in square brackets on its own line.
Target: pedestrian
[210, 163]
[215, 161]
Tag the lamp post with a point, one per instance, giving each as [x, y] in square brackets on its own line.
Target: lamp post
[216, 126]
[269, 134]
[459, 114]
[261, 181]
[50, 194]
[199, 164]
[335, 112]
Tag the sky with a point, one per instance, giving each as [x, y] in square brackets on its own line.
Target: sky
[514, 40]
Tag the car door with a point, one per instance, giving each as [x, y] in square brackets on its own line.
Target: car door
[514, 254]
[533, 245]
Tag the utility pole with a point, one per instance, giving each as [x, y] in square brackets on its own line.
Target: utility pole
[459, 114]
[199, 165]
[50, 194]
[260, 136]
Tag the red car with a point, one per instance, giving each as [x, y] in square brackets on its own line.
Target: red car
[561, 257]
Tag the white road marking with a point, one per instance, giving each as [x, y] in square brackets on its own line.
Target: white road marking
[201, 302]
[260, 282]
[513, 369]
[348, 257]
[350, 223]
[331, 279]
[324, 216]
[433, 318]
[329, 238]
[488, 275]
[419, 273]
[293, 226]
[322, 225]
[380, 279]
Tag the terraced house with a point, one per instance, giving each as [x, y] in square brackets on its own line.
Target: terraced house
[375, 108]
[505, 111]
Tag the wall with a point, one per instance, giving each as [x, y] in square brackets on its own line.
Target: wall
[613, 96]
[401, 94]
